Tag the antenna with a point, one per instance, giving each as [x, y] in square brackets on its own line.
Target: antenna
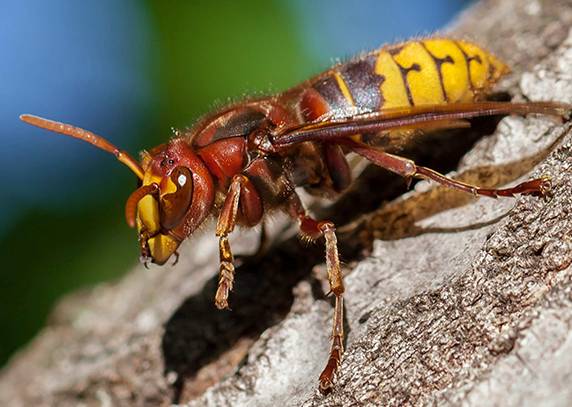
[85, 135]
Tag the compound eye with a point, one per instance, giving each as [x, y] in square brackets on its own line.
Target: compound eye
[174, 206]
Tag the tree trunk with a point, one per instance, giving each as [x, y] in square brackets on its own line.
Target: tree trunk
[460, 301]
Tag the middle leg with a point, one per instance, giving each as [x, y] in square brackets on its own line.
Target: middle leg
[313, 230]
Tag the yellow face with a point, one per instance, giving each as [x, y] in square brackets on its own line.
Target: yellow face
[176, 196]
[159, 213]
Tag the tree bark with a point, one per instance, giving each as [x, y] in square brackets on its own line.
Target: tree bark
[461, 301]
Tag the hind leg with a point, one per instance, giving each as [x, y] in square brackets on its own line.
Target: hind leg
[407, 168]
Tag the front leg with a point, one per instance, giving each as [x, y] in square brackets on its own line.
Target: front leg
[241, 194]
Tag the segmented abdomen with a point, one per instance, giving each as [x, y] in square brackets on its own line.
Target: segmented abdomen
[428, 71]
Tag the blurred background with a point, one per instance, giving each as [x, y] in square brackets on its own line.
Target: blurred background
[130, 70]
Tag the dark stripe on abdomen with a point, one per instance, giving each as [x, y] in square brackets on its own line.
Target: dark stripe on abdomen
[331, 93]
[363, 83]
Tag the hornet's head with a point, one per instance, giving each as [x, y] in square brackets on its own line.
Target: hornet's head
[175, 196]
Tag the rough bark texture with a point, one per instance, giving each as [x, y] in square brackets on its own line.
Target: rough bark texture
[462, 300]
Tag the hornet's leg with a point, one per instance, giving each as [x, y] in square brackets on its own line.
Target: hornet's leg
[407, 168]
[313, 229]
[241, 191]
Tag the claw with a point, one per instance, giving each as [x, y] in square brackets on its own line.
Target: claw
[408, 182]
[145, 261]
[546, 187]
[176, 258]
[540, 187]
[326, 386]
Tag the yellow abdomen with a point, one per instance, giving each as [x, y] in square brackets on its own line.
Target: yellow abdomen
[435, 71]
[419, 72]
